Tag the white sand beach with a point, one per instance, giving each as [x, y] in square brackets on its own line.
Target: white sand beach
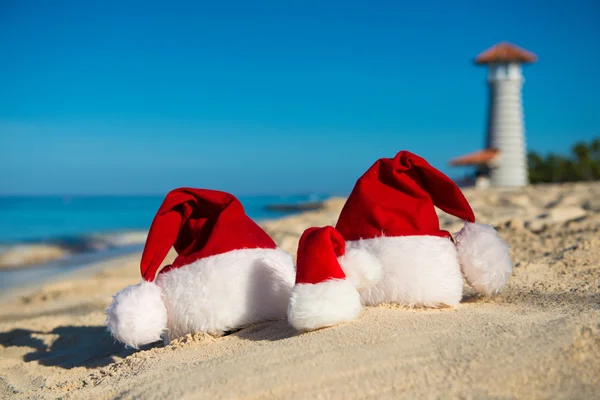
[538, 339]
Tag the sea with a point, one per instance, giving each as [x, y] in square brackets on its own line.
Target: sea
[92, 228]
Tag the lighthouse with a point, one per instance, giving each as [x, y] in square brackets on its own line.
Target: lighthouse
[503, 162]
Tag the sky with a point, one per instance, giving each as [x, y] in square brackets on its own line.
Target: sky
[272, 97]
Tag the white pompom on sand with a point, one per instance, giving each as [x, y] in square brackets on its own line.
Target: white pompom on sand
[484, 258]
[137, 315]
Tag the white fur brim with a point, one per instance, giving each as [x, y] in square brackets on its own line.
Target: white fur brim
[416, 271]
[361, 267]
[319, 305]
[228, 291]
[484, 257]
[137, 315]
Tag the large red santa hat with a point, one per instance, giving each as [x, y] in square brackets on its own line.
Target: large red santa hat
[198, 224]
[396, 197]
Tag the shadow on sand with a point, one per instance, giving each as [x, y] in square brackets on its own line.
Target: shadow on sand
[93, 347]
[76, 346]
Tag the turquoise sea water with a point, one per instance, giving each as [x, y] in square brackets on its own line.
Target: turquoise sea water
[93, 228]
[42, 219]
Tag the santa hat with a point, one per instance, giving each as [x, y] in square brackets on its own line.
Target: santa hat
[323, 295]
[396, 197]
[198, 224]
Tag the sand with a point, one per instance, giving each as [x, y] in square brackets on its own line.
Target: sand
[26, 255]
[538, 339]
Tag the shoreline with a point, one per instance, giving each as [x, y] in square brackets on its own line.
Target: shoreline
[37, 253]
[116, 245]
[13, 280]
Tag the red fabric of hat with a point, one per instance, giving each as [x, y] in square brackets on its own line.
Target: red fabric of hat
[396, 197]
[318, 251]
[199, 223]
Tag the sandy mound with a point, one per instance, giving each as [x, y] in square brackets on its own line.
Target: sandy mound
[28, 255]
[24, 255]
[540, 338]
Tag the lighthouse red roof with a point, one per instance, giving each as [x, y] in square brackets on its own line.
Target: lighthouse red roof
[481, 157]
[505, 52]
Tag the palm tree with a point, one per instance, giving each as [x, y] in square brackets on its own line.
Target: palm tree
[583, 164]
[596, 149]
[596, 158]
[582, 159]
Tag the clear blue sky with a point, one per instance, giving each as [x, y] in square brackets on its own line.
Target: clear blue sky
[272, 97]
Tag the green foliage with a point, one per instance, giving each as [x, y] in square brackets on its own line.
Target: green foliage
[583, 164]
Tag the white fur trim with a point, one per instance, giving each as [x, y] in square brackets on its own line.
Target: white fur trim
[416, 271]
[361, 267]
[137, 315]
[484, 257]
[314, 306]
[227, 291]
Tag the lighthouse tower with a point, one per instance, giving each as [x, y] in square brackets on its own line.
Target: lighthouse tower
[505, 128]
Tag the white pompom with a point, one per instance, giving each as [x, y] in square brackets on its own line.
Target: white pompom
[361, 267]
[319, 305]
[484, 258]
[137, 315]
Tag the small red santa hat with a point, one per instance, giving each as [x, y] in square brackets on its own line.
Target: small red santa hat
[198, 223]
[396, 197]
[323, 295]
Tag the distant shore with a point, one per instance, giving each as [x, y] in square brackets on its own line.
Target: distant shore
[23, 255]
[307, 206]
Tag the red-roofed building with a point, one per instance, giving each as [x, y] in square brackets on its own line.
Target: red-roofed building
[503, 161]
[488, 157]
[505, 53]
